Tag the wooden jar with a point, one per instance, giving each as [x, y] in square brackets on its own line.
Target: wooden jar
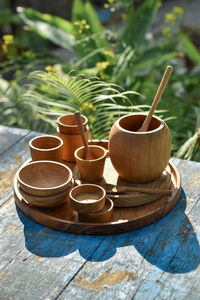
[139, 156]
[68, 131]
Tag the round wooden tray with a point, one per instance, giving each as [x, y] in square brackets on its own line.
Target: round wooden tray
[124, 219]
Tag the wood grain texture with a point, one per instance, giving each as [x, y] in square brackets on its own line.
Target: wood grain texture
[159, 261]
[139, 157]
[123, 219]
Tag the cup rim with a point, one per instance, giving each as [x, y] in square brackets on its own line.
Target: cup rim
[71, 126]
[90, 160]
[136, 132]
[46, 149]
[87, 184]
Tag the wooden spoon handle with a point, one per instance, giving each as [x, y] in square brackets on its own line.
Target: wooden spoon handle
[77, 115]
[120, 190]
[128, 195]
[163, 83]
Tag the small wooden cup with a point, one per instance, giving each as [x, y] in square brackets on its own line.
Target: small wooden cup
[46, 147]
[87, 198]
[67, 124]
[91, 170]
[44, 178]
[102, 216]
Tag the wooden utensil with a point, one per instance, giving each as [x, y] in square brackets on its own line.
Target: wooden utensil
[158, 95]
[88, 154]
[114, 189]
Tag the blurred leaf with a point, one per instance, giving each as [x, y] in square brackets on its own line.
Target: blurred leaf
[139, 22]
[7, 17]
[190, 49]
[50, 27]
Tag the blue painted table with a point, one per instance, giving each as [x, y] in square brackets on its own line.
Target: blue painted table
[160, 261]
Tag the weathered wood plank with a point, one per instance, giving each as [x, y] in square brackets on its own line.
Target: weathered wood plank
[10, 162]
[10, 136]
[165, 244]
[156, 291]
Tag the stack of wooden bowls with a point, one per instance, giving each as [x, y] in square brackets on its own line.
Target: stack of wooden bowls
[91, 204]
[44, 183]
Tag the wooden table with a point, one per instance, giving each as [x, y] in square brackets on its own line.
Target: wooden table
[160, 261]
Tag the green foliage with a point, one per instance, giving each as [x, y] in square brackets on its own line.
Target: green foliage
[51, 95]
[106, 63]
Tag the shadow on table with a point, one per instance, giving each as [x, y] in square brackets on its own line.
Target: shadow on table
[170, 243]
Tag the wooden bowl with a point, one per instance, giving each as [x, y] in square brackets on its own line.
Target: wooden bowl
[91, 170]
[87, 198]
[67, 124]
[44, 178]
[46, 201]
[139, 156]
[46, 147]
[102, 216]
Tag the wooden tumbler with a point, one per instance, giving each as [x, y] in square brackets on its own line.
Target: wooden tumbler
[139, 156]
[91, 170]
[46, 147]
[69, 132]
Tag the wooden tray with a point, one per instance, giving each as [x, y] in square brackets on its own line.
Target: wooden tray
[124, 219]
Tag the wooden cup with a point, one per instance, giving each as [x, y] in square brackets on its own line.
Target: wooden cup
[139, 156]
[69, 132]
[91, 170]
[67, 124]
[102, 216]
[46, 147]
[87, 198]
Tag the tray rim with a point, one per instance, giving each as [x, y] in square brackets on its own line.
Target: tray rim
[99, 228]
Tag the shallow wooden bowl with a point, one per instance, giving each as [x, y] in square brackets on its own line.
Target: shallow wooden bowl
[102, 216]
[44, 178]
[46, 201]
[87, 198]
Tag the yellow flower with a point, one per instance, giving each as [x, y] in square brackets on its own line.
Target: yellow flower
[83, 22]
[87, 26]
[8, 38]
[18, 73]
[108, 52]
[112, 9]
[169, 17]
[159, 4]
[5, 48]
[48, 68]
[106, 5]
[178, 10]
[102, 64]
[101, 75]
[80, 31]
[76, 23]
[110, 1]
[95, 72]
[166, 31]
[13, 83]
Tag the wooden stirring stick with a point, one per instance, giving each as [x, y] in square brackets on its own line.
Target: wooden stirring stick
[163, 83]
[88, 154]
[114, 189]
